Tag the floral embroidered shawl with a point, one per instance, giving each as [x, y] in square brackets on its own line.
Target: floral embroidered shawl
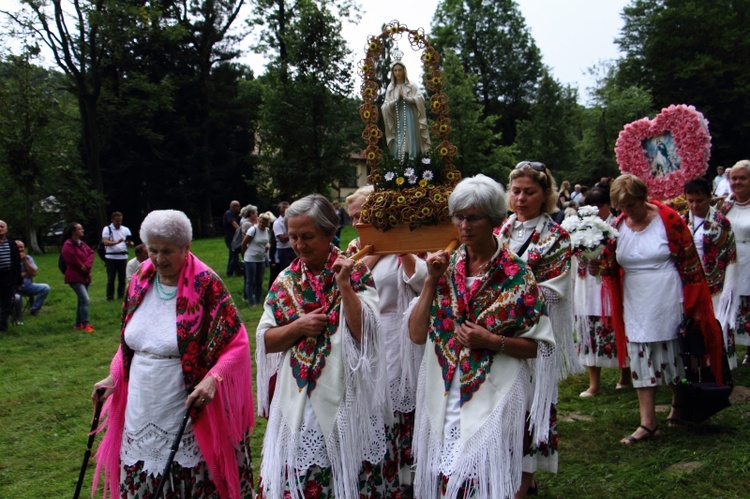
[212, 341]
[494, 390]
[343, 381]
[695, 292]
[549, 256]
[719, 251]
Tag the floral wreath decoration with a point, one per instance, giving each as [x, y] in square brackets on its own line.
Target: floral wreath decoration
[667, 151]
[416, 193]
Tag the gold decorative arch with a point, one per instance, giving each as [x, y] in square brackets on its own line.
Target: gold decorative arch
[426, 202]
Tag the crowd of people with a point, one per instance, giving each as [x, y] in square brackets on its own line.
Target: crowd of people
[421, 375]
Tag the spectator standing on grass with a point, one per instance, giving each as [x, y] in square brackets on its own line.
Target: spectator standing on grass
[254, 247]
[284, 252]
[230, 222]
[116, 239]
[248, 218]
[141, 255]
[78, 258]
[10, 274]
[39, 291]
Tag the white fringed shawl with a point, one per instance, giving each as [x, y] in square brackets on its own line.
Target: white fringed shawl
[549, 255]
[349, 402]
[492, 419]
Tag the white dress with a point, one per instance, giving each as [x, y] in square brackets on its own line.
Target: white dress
[595, 337]
[156, 392]
[652, 296]
[390, 282]
[739, 217]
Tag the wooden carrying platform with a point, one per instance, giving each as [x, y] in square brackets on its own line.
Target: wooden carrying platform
[401, 239]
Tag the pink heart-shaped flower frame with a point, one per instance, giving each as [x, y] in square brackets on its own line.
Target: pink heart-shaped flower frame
[685, 131]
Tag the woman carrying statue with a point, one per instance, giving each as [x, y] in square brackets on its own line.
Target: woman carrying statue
[488, 368]
[319, 333]
[406, 131]
[398, 279]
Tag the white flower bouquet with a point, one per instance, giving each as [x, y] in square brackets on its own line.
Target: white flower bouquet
[588, 232]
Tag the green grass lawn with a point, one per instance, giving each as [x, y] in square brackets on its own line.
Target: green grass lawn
[47, 371]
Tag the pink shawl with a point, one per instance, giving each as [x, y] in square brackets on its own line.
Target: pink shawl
[212, 341]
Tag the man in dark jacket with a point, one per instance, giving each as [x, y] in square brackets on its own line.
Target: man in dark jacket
[231, 221]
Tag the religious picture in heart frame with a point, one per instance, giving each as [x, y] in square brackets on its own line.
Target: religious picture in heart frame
[661, 154]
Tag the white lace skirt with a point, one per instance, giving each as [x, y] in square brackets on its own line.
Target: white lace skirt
[154, 411]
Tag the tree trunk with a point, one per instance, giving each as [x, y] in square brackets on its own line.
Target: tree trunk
[92, 151]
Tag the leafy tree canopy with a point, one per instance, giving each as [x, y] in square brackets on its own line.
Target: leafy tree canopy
[492, 42]
[693, 52]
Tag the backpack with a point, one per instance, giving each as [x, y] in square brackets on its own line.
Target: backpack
[61, 264]
[236, 243]
[101, 250]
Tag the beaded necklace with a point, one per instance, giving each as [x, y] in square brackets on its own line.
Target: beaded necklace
[401, 127]
[163, 293]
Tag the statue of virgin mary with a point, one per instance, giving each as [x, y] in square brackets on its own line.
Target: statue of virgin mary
[406, 131]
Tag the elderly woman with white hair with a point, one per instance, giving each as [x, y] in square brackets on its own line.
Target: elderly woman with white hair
[319, 334]
[489, 362]
[183, 347]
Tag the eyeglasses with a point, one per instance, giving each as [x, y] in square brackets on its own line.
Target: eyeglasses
[471, 219]
[540, 167]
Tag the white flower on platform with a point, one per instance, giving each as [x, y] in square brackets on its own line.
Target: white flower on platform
[412, 179]
[427, 174]
[426, 161]
[389, 176]
[409, 172]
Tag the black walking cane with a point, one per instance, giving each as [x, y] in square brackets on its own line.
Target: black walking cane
[173, 451]
[92, 436]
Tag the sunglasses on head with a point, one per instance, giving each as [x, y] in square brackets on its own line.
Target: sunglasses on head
[540, 167]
